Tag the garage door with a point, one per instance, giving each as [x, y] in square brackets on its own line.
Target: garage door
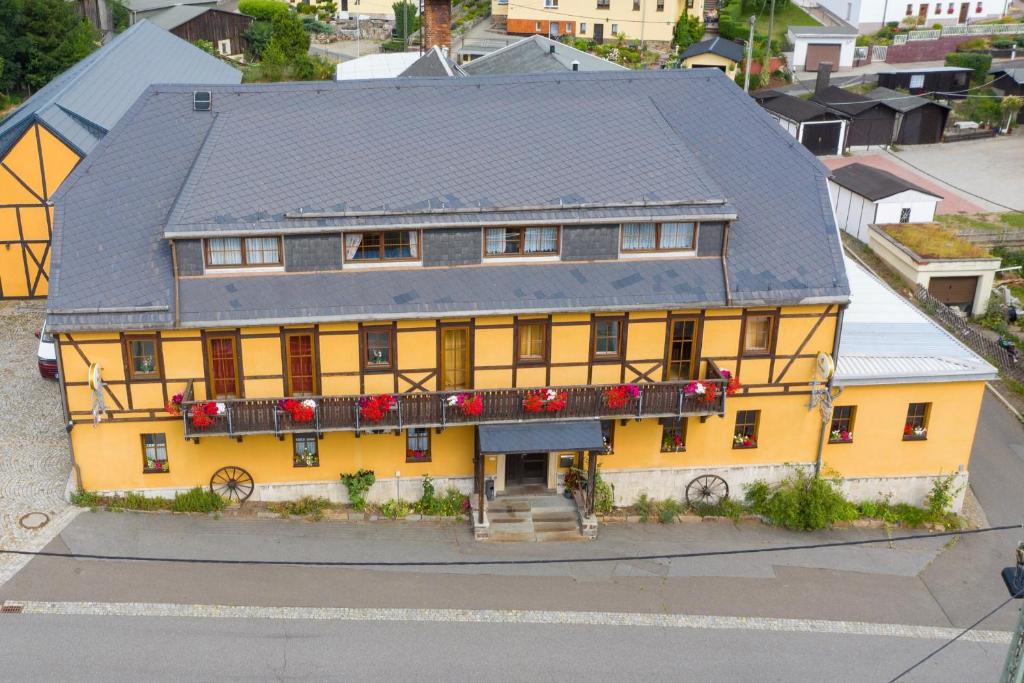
[822, 138]
[818, 52]
[954, 291]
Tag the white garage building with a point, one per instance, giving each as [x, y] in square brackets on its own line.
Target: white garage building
[813, 45]
[862, 195]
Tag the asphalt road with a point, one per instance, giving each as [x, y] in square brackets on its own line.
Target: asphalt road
[155, 649]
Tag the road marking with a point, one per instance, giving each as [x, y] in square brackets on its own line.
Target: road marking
[628, 619]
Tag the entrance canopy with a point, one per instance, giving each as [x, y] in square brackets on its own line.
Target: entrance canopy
[534, 437]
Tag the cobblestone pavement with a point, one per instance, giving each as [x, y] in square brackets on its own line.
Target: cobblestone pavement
[34, 456]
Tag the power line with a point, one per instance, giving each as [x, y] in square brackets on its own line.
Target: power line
[470, 563]
[956, 637]
[902, 97]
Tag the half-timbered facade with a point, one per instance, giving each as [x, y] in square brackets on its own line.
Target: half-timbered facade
[467, 319]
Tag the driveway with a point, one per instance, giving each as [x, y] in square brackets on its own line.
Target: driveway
[34, 456]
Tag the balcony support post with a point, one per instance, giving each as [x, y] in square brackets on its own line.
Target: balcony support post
[230, 424]
[479, 462]
[640, 405]
[591, 482]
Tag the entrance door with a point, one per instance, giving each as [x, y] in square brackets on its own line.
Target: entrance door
[598, 33]
[524, 469]
[965, 7]
[454, 358]
[223, 363]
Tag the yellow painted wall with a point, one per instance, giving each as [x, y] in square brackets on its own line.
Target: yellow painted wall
[712, 60]
[27, 180]
[647, 23]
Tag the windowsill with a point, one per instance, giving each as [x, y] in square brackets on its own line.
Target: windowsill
[244, 270]
[912, 437]
[756, 354]
[377, 371]
[163, 471]
[661, 253]
[146, 378]
[304, 465]
[546, 258]
[741, 447]
[531, 362]
[681, 449]
[416, 460]
[397, 263]
[840, 441]
[606, 359]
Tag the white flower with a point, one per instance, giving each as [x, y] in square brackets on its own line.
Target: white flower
[453, 400]
[699, 389]
[221, 409]
[309, 403]
[552, 395]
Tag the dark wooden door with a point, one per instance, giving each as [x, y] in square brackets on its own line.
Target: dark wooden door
[954, 291]
[598, 33]
[822, 138]
[965, 7]
[526, 468]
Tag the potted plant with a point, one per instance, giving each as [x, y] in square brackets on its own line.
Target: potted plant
[841, 436]
[300, 411]
[471, 405]
[619, 396]
[545, 400]
[374, 408]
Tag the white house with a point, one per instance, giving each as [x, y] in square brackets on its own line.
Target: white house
[813, 45]
[869, 15]
[862, 196]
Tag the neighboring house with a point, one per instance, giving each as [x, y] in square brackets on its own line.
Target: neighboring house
[814, 45]
[535, 55]
[944, 81]
[42, 140]
[652, 21]
[869, 15]
[477, 269]
[433, 64]
[872, 123]
[225, 30]
[820, 129]
[376, 65]
[144, 9]
[716, 53]
[863, 195]
[919, 121]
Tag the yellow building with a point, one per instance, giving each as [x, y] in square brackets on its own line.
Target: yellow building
[46, 137]
[472, 320]
[716, 53]
[652, 21]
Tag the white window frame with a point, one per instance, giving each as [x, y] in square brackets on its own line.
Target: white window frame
[224, 46]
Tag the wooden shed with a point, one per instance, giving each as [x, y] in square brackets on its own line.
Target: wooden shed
[946, 81]
[871, 121]
[226, 30]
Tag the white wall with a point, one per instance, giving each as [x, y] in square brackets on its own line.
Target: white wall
[922, 207]
[788, 125]
[853, 212]
[845, 52]
[867, 15]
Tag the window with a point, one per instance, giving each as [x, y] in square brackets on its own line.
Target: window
[378, 349]
[398, 245]
[938, 8]
[916, 427]
[583, 28]
[304, 450]
[949, 10]
[607, 344]
[660, 7]
[154, 453]
[222, 360]
[455, 369]
[904, 215]
[917, 81]
[301, 363]
[417, 444]
[224, 46]
[757, 334]
[532, 341]
[689, 4]
[536, 26]
[910, 10]
[615, 29]
[636, 5]
[745, 435]
[658, 236]
[551, 4]
[604, 4]
[143, 362]
[682, 347]
[978, 8]
[841, 430]
[608, 435]
[673, 434]
[520, 241]
[226, 252]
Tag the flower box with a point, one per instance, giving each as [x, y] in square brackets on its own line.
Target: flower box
[704, 392]
[301, 412]
[471, 405]
[202, 415]
[375, 408]
[545, 401]
[840, 436]
[912, 433]
[618, 397]
[744, 441]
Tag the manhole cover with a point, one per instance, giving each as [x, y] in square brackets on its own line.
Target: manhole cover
[34, 520]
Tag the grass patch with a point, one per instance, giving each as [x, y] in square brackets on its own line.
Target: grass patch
[195, 500]
[996, 222]
[785, 16]
[931, 240]
[198, 500]
[307, 506]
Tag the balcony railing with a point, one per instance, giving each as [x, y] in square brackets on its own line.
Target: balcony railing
[241, 417]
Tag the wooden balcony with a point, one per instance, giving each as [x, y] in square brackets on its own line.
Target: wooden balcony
[242, 417]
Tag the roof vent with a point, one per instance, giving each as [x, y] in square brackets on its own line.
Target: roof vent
[575, 65]
[551, 49]
[202, 100]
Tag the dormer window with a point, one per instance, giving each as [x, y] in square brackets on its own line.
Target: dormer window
[241, 252]
[373, 247]
[506, 242]
[641, 237]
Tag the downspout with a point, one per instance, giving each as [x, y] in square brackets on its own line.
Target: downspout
[177, 294]
[68, 424]
[818, 462]
[725, 265]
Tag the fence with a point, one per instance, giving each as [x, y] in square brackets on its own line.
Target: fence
[957, 30]
[878, 52]
[969, 135]
[993, 238]
[981, 344]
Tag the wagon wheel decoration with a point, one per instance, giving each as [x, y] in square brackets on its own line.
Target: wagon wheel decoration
[232, 483]
[707, 489]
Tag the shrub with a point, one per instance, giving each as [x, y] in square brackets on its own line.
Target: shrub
[643, 506]
[357, 485]
[452, 504]
[394, 509]
[668, 509]
[198, 500]
[263, 10]
[307, 505]
[980, 63]
[85, 499]
[733, 509]
[393, 45]
[1002, 43]
[604, 495]
[940, 500]
[801, 502]
[688, 31]
[972, 45]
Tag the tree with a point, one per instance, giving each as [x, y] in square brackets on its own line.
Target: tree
[258, 37]
[406, 21]
[1010, 106]
[120, 15]
[263, 10]
[687, 32]
[39, 39]
[289, 39]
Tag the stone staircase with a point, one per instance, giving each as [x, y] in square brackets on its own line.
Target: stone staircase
[533, 519]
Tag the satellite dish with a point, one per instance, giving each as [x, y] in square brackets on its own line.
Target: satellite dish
[826, 366]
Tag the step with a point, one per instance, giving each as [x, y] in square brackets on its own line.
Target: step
[555, 526]
[502, 536]
[554, 516]
[513, 505]
[546, 536]
[504, 518]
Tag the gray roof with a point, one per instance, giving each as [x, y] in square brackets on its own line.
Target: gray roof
[1014, 69]
[886, 339]
[873, 183]
[150, 5]
[535, 437]
[717, 46]
[686, 136]
[83, 103]
[798, 109]
[899, 101]
[926, 70]
[533, 55]
[175, 16]
[823, 31]
[434, 63]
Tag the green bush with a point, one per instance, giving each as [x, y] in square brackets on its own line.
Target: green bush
[452, 504]
[643, 507]
[668, 509]
[973, 45]
[395, 509]
[733, 509]
[85, 499]
[1002, 43]
[604, 495]
[357, 485]
[688, 31]
[305, 506]
[800, 502]
[198, 500]
[393, 45]
[263, 10]
[980, 63]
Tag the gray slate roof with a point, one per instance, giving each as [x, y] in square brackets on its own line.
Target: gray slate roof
[873, 183]
[673, 135]
[717, 46]
[534, 437]
[150, 5]
[899, 101]
[532, 55]
[434, 63]
[84, 102]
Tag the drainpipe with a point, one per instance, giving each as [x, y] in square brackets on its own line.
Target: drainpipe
[68, 424]
[177, 295]
[818, 461]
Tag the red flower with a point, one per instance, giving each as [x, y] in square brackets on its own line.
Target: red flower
[173, 408]
[374, 408]
[557, 403]
[534, 402]
[733, 386]
[710, 392]
[471, 405]
[908, 429]
[200, 417]
[618, 397]
[211, 409]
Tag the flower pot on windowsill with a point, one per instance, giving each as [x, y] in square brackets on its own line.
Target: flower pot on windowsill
[915, 437]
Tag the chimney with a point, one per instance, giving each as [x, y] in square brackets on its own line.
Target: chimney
[437, 24]
[824, 71]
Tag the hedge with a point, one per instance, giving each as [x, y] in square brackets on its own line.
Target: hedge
[980, 63]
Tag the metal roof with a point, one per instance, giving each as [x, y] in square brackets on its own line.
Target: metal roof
[887, 340]
[380, 65]
[926, 70]
[677, 135]
[901, 102]
[541, 437]
[533, 55]
[874, 183]
[1014, 69]
[797, 109]
[83, 103]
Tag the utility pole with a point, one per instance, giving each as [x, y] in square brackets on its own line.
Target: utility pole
[750, 55]
[768, 48]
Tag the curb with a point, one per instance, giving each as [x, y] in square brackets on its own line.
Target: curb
[1005, 401]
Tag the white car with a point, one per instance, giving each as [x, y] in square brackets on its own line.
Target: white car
[47, 354]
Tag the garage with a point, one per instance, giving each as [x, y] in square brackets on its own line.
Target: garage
[954, 291]
[821, 52]
[822, 137]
